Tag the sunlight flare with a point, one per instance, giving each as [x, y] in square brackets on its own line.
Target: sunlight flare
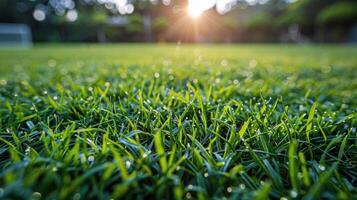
[197, 7]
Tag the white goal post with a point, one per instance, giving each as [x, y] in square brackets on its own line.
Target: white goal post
[15, 35]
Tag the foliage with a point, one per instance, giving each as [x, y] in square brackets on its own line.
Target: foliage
[173, 121]
[291, 18]
[230, 24]
[262, 20]
[135, 24]
[302, 12]
[160, 23]
[259, 22]
[339, 13]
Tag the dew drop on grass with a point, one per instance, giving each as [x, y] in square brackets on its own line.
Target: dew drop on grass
[52, 63]
[54, 169]
[44, 92]
[36, 196]
[188, 195]
[77, 196]
[326, 69]
[229, 189]
[293, 193]
[224, 63]
[90, 158]
[206, 175]
[190, 187]
[218, 80]
[55, 98]
[322, 168]
[127, 164]
[242, 186]
[27, 150]
[3, 82]
[156, 75]
[283, 198]
[252, 63]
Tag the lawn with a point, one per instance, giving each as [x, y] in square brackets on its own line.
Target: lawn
[138, 121]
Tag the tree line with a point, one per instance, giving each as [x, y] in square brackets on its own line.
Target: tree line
[167, 21]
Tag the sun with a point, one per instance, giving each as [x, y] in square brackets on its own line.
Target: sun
[194, 9]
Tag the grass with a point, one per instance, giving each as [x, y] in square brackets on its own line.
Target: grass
[178, 121]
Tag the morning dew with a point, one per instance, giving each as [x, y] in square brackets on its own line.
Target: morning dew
[36, 195]
[3, 82]
[127, 164]
[293, 193]
[242, 186]
[322, 168]
[91, 159]
[77, 196]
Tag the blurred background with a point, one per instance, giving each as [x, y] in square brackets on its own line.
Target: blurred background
[225, 21]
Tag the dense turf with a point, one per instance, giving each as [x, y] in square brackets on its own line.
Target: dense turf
[176, 121]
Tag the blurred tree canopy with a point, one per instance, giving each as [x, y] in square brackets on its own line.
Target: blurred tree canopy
[344, 13]
[167, 20]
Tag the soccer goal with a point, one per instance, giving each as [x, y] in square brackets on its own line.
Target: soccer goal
[15, 35]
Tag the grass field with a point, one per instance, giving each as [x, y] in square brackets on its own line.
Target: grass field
[178, 121]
